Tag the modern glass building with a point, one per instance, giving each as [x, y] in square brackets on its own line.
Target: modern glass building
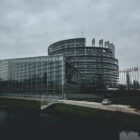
[96, 65]
[71, 67]
[37, 75]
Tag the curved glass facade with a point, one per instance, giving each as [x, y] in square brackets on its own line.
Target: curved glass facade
[96, 66]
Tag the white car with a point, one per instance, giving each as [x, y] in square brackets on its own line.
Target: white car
[106, 102]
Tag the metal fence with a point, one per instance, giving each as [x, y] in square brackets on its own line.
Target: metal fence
[130, 78]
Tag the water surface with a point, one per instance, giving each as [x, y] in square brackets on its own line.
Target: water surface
[25, 123]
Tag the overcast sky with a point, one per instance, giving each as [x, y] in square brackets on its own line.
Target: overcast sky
[28, 27]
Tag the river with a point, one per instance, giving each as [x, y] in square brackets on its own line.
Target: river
[26, 123]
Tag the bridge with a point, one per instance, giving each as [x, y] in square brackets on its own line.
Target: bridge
[50, 100]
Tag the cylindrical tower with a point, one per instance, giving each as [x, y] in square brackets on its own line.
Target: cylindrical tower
[96, 65]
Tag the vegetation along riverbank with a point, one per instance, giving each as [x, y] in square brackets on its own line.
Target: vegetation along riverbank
[103, 116]
[20, 103]
[77, 113]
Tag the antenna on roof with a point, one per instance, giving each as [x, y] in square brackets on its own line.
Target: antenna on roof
[82, 34]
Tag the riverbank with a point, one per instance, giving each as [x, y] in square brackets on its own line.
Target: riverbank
[103, 116]
[19, 103]
[78, 113]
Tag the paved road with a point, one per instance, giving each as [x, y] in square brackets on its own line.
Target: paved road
[112, 107]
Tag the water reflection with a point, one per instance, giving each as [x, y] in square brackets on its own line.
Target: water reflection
[26, 122]
[129, 135]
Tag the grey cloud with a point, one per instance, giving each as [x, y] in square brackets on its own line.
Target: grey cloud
[28, 27]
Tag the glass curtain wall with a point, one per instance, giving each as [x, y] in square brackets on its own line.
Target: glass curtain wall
[34, 75]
